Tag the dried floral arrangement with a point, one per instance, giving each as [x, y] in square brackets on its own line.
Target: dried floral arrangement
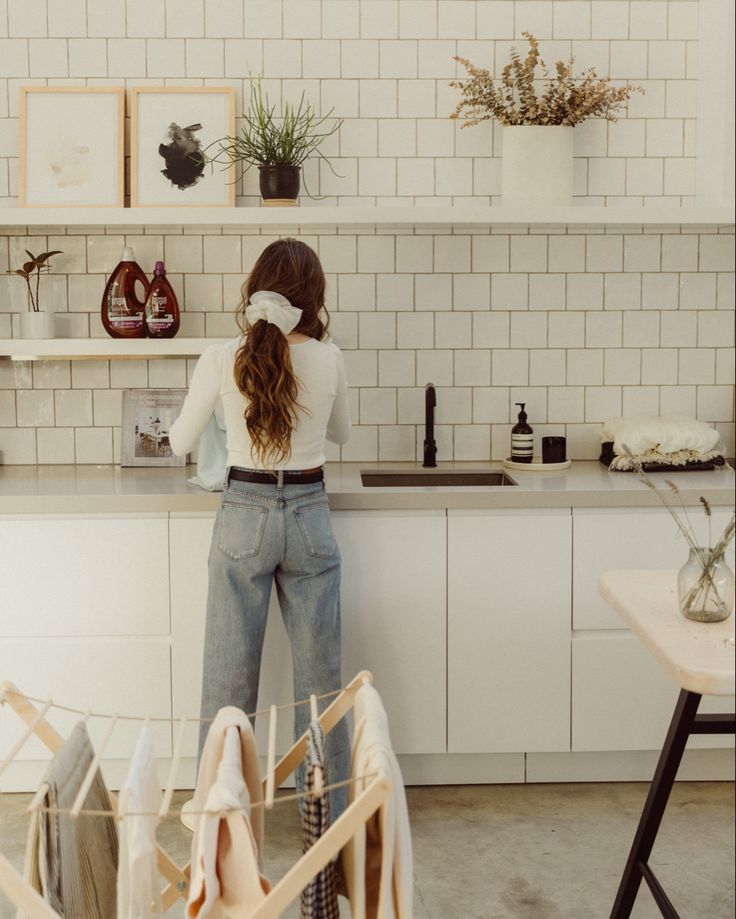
[513, 99]
[705, 588]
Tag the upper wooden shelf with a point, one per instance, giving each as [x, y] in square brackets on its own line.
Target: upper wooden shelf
[45, 349]
[463, 215]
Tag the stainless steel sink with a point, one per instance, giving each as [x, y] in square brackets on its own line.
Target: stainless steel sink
[385, 478]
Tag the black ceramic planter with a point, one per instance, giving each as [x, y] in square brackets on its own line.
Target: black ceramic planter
[279, 184]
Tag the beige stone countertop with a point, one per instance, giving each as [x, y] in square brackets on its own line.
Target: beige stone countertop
[698, 655]
[111, 489]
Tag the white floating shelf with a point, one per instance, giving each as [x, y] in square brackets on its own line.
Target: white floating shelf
[463, 215]
[44, 349]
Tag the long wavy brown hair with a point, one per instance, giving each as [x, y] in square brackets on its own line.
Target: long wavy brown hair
[263, 371]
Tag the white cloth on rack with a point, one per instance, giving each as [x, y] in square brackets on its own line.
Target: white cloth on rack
[378, 861]
[139, 894]
[226, 848]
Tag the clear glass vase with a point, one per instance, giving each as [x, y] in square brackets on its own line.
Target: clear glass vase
[705, 587]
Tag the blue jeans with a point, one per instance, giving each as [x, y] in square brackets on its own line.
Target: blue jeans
[265, 533]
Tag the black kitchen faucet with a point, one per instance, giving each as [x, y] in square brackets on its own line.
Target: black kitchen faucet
[430, 445]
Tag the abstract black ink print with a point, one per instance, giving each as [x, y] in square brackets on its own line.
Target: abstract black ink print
[182, 155]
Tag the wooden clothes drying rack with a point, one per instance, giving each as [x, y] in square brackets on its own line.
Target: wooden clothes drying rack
[284, 892]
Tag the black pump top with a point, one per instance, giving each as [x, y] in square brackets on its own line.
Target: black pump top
[522, 413]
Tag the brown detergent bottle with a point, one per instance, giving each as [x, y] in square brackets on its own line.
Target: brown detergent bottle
[162, 309]
[123, 309]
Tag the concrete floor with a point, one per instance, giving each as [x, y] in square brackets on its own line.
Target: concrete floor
[521, 851]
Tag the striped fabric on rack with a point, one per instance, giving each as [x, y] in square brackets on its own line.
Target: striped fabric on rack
[319, 897]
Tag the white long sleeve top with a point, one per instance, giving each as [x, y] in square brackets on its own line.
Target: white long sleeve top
[323, 397]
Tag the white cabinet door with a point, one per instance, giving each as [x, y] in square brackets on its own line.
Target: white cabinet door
[393, 614]
[626, 538]
[623, 700]
[84, 575]
[509, 631]
[394, 617]
[127, 676]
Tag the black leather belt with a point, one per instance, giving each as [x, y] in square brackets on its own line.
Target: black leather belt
[291, 476]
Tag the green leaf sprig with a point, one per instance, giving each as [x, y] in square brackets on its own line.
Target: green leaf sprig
[36, 265]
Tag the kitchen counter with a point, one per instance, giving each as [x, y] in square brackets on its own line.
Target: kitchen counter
[110, 489]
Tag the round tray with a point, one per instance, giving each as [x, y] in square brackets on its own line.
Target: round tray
[537, 465]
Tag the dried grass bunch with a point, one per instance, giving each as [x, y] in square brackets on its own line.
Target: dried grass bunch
[513, 99]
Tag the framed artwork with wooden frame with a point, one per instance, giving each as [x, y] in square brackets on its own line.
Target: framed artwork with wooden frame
[72, 146]
[170, 128]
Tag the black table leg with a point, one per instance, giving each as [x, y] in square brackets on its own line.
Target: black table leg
[680, 729]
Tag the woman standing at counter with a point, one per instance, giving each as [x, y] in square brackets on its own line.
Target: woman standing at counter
[282, 391]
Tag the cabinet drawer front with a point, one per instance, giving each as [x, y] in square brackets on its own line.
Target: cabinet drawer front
[611, 540]
[130, 676]
[623, 700]
[509, 633]
[84, 576]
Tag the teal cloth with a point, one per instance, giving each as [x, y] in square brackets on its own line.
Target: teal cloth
[211, 455]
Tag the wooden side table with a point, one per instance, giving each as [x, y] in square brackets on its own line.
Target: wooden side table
[700, 657]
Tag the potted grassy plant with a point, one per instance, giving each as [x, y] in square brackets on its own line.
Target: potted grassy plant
[277, 145]
[36, 322]
[537, 129]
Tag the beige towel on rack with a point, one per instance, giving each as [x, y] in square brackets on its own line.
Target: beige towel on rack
[378, 860]
[73, 863]
[139, 894]
[226, 848]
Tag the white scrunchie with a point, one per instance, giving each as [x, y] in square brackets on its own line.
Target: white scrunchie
[268, 305]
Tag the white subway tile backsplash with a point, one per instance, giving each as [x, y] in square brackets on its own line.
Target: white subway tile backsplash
[697, 291]
[509, 291]
[641, 329]
[361, 368]
[622, 366]
[378, 406]
[453, 330]
[696, 365]
[435, 367]
[725, 291]
[34, 407]
[715, 328]
[55, 445]
[648, 19]
[604, 330]
[622, 291]
[659, 291]
[604, 253]
[471, 292]
[510, 367]
[602, 402]
[414, 254]
[566, 404]
[640, 400]
[414, 175]
[547, 291]
[528, 253]
[585, 291]
[340, 18]
[93, 445]
[395, 292]
[716, 252]
[396, 368]
[417, 99]
[714, 403]
[73, 407]
[659, 366]
[547, 367]
[725, 366]
[528, 330]
[491, 330]
[415, 330]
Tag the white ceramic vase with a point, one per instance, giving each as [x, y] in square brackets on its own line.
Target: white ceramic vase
[537, 165]
[37, 324]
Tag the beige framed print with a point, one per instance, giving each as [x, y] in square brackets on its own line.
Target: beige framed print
[71, 146]
[170, 129]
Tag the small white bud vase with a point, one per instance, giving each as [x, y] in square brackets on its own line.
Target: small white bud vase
[37, 324]
[705, 587]
[537, 165]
